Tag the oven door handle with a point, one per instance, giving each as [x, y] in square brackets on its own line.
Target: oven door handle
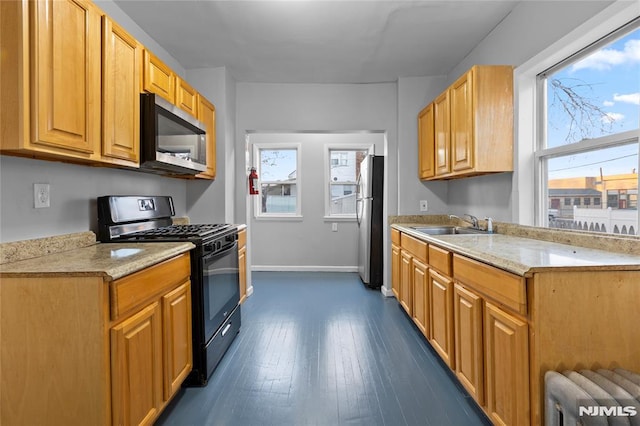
[221, 253]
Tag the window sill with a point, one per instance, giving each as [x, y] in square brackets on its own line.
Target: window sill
[339, 218]
[275, 218]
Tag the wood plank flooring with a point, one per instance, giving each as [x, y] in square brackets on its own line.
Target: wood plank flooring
[322, 349]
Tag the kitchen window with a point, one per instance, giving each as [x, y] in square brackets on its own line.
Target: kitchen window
[278, 168]
[342, 167]
[589, 108]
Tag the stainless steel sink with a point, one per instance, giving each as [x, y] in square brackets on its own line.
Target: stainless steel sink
[448, 230]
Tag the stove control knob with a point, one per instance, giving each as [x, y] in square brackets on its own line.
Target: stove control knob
[218, 245]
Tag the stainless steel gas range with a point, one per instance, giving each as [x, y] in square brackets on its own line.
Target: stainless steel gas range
[215, 292]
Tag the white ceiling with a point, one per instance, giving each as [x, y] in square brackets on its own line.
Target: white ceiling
[319, 41]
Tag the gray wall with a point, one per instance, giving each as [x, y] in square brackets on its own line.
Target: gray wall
[206, 200]
[314, 107]
[308, 243]
[74, 189]
[414, 93]
[529, 29]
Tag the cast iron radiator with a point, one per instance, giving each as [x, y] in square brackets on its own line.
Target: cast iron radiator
[592, 398]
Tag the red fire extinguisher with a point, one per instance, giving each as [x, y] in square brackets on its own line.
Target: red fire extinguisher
[253, 177]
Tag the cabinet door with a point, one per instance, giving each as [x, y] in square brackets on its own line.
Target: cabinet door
[157, 77]
[426, 143]
[406, 285]
[462, 125]
[136, 367]
[242, 262]
[66, 77]
[442, 131]
[121, 59]
[395, 271]
[506, 363]
[207, 115]
[441, 315]
[186, 97]
[420, 295]
[176, 317]
[467, 321]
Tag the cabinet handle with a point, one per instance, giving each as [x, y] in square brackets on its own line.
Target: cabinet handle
[226, 329]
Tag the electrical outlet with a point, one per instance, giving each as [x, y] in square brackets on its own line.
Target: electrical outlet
[423, 205]
[334, 226]
[41, 195]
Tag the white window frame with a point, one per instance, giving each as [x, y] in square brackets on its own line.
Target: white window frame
[530, 177]
[257, 213]
[327, 178]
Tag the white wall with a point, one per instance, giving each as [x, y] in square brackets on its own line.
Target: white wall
[322, 108]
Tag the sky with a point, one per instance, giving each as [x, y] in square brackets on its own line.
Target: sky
[609, 79]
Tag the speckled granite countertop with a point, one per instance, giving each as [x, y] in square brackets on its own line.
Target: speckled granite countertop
[525, 256]
[110, 260]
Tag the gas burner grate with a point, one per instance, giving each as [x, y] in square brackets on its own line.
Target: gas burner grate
[181, 231]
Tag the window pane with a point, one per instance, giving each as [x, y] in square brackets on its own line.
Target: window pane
[345, 164]
[597, 95]
[608, 174]
[277, 165]
[278, 198]
[343, 199]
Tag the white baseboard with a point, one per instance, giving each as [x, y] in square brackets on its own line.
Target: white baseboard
[271, 268]
[386, 292]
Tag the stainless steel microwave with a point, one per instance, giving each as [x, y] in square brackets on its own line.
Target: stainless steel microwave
[172, 141]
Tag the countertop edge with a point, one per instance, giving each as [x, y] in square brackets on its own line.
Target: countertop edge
[108, 273]
[505, 264]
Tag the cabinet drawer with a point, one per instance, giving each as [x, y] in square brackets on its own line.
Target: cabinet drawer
[137, 289]
[440, 259]
[504, 287]
[395, 236]
[417, 248]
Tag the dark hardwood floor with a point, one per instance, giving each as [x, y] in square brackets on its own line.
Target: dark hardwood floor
[322, 349]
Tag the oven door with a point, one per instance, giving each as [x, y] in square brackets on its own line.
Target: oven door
[221, 288]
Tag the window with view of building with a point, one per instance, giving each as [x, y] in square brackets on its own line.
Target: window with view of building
[278, 180]
[590, 109]
[342, 173]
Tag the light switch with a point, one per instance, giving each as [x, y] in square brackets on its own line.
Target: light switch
[334, 226]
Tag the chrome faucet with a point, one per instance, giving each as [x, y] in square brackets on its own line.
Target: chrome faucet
[472, 220]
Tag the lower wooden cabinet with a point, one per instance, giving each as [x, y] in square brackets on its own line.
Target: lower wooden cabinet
[420, 280]
[395, 271]
[500, 332]
[441, 316]
[406, 284]
[176, 328]
[467, 324]
[507, 367]
[90, 351]
[136, 367]
[242, 263]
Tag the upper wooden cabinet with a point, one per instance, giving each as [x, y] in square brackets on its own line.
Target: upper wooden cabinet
[426, 147]
[207, 115]
[473, 125]
[121, 63]
[186, 97]
[158, 78]
[50, 89]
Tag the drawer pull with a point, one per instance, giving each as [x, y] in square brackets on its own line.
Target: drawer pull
[226, 329]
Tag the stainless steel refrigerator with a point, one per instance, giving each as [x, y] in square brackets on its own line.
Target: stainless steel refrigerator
[369, 204]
